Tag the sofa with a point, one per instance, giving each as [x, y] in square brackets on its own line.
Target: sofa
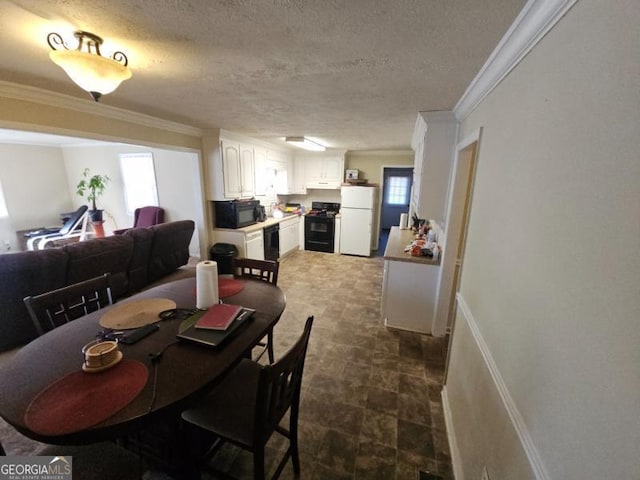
[135, 260]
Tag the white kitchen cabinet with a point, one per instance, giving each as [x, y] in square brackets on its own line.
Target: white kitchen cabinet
[434, 141]
[290, 178]
[238, 169]
[409, 286]
[278, 164]
[324, 171]
[254, 243]
[299, 186]
[289, 235]
[336, 234]
[262, 171]
[250, 244]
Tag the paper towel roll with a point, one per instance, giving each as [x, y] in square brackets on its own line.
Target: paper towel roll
[404, 221]
[206, 284]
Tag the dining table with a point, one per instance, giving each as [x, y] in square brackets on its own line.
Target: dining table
[177, 372]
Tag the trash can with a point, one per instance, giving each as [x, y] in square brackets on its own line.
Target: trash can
[223, 254]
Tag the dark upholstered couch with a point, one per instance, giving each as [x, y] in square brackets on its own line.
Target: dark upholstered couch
[138, 258]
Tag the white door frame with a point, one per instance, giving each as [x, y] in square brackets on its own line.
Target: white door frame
[378, 216]
[460, 186]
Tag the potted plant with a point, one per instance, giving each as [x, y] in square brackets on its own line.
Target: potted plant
[92, 186]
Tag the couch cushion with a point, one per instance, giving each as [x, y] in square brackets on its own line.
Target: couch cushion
[139, 265]
[22, 274]
[98, 256]
[170, 247]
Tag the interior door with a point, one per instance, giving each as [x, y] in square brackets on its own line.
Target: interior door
[396, 192]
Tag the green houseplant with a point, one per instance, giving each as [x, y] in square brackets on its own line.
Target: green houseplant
[92, 186]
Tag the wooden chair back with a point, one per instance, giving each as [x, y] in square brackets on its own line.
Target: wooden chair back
[279, 387]
[57, 307]
[266, 270]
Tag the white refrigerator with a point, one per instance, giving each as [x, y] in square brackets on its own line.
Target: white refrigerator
[356, 225]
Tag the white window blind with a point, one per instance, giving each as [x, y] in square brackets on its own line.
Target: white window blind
[139, 177]
[398, 191]
[3, 206]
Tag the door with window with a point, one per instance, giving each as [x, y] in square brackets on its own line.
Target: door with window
[396, 195]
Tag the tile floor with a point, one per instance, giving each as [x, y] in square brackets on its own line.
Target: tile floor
[371, 406]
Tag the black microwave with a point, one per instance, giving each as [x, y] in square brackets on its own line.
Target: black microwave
[236, 213]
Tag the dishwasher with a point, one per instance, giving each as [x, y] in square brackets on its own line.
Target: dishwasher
[254, 245]
[272, 242]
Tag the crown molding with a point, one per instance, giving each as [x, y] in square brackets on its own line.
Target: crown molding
[378, 153]
[58, 100]
[534, 21]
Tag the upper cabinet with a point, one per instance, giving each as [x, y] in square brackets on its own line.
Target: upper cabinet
[324, 171]
[238, 166]
[238, 169]
[263, 171]
[434, 140]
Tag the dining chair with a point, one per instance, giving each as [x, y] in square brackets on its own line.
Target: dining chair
[246, 408]
[57, 307]
[266, 270]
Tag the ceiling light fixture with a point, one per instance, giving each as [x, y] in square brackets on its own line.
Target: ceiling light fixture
[86, 66]
[305, 143]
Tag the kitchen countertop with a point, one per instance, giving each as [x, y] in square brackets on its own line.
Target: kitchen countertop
[398, 240]
[260, 225]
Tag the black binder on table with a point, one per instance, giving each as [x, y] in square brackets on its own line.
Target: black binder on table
[213, 338]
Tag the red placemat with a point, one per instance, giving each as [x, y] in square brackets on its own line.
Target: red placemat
[229, 286]
[81, 400]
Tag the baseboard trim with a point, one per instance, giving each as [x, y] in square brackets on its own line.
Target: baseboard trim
[456, 460]
[514, 414]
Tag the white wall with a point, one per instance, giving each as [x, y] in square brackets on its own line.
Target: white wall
[551, 274]
[35, 189]
[178, 179]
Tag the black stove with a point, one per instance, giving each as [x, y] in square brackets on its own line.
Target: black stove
[319, 227]
[324, 209]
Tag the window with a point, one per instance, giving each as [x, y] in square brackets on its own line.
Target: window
[3, 206]
[139, 176]
[398, 190]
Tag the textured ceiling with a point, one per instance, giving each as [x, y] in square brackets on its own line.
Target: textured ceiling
[351, 73]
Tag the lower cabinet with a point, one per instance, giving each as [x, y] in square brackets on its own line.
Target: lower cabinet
[254, 245]
[409, 286]
[249, 244]
[409, 293]
[289, 235]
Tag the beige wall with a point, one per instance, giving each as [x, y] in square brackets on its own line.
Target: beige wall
[88, 120]
[176, 150]
[551, 272]
[178, 180]
[35, 189]
[370, 164]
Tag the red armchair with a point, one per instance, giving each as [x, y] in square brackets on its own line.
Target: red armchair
[144, 217]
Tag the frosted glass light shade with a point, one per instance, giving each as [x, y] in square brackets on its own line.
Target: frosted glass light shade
[93, 73]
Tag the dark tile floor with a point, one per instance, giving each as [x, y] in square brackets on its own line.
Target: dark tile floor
[371, 406]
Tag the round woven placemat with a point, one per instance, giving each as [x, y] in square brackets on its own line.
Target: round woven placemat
[135, 314]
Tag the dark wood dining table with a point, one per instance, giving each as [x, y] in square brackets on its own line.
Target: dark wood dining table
[184, 372]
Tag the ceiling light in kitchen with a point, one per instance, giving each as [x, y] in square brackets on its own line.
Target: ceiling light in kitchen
[305, 143]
